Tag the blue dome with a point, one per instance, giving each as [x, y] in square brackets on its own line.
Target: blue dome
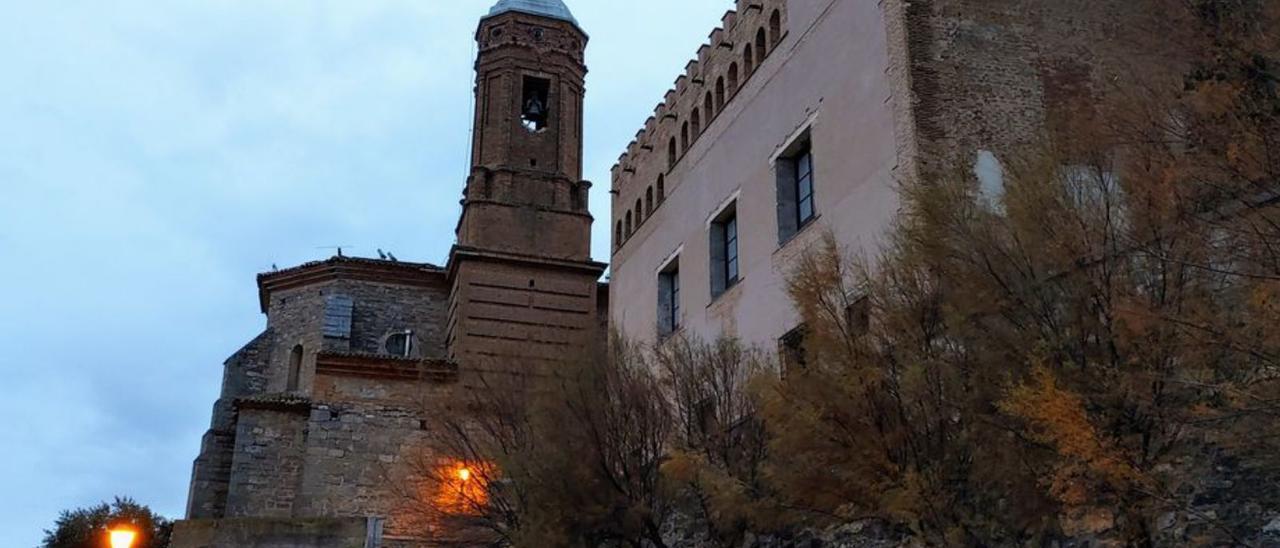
[554, 9]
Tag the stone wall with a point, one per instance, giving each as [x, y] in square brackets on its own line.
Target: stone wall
[269, 533]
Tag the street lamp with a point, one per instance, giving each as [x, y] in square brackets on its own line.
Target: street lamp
[122, 538]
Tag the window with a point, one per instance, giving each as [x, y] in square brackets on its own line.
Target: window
[662, 188]
[669, 299]
[697, 121]
[775, 28]
[724, 252]
[648, 202]
[629, 228]
[399, 344]
[617, 235]
[337, 316]
[295, 369]
[857, 316]
[733, 79]
[719, 94]
[795, 179]
[708, 104]
[791, 350]
[639, 213]
[684, 137]
[762, 45]
[672, 155]
[748, 59]
[535, 104]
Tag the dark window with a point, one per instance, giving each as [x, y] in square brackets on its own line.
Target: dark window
[669, 299]
[795, 188]
[617, 235]
[400, 344]
[662, 188]
[762, 45]
[719, 94]
[684, 137]
[733, 79]
[775, 28]
[709, 104]
[535, 103]
[748, 60]
[724, 252]
[672, 155]
[804, 187]
[639, 213]
[295, 369]
[858, 316]
[648, 202]
[629, 230]
[791, 350]
[697, 121]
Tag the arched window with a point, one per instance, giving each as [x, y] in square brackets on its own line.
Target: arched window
[295, 369]
[719, 94]
[672, 155]
[662, 188]
[617, 235]
[748, 59]
[629, 228]
[696, 118]
[762, 45]
[709, 105]
[775, 28]
[648, 202]
[684, 137]
[639, 213]
[733, 79]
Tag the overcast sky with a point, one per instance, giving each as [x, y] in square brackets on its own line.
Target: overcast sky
[155, 156]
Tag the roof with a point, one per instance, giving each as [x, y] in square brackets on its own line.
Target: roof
[349, 268]
[554, 9]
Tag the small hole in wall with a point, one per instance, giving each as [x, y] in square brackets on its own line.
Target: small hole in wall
[533, 162]
[531, 283]
[422, 425]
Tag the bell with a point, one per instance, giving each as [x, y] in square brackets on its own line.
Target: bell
[534, 108]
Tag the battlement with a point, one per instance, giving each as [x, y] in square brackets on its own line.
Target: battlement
[724, 65]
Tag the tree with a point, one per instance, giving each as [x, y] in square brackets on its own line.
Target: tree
[87, 527]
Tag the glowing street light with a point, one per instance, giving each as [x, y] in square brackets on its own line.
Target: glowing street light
[464, 474]
[122, 538]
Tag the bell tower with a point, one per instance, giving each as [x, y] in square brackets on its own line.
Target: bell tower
[524, 285]
[525, 193]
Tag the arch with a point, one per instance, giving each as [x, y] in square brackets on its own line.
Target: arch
[762, 45]
[662, 188]
[672, 155]
[719, 94]
[295, 369]
[709, 105]
[775, 29]
[684, 137]
[617, 235]
[748, 59]
[696, 118]
[648, 202]
[630, 229]
[733, 79]
[639, 213]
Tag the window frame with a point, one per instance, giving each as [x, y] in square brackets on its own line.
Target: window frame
[669, 304]
[725, 239]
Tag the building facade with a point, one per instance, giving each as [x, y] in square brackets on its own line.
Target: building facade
[321, 415]
[800, 117]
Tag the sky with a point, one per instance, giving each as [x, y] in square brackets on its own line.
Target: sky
[155, 156]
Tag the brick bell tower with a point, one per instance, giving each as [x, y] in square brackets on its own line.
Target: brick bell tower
[524, 285]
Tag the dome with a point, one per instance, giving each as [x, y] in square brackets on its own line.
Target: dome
[554, 9]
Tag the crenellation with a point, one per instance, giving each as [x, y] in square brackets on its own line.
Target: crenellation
[698, 97]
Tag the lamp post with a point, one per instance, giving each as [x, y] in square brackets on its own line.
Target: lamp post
[122, 538]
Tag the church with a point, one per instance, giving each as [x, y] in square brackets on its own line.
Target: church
[317, 411]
